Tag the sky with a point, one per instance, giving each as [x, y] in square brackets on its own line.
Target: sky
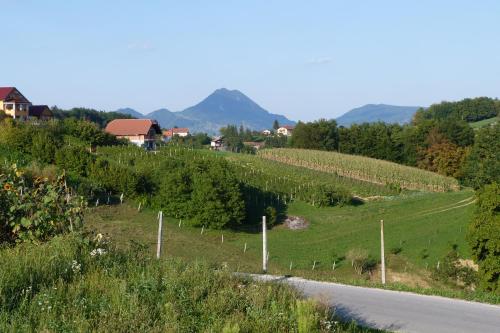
[303, 59]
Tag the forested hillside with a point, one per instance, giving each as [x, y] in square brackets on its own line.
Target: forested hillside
[469, 109]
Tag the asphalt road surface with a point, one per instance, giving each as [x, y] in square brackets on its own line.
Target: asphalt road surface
[398, 311]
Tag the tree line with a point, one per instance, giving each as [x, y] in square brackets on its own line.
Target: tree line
[448, 146]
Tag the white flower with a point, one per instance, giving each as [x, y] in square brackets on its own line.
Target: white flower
[97, 252]
[75, 266]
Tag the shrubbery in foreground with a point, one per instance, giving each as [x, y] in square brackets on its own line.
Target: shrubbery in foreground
[75, 283]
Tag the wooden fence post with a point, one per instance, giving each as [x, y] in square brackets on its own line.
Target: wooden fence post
[264, 245]
[382, 254]
[160, 226]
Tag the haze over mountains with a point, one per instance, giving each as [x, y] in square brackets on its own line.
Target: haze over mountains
[224, 107]
[219, 109]
[378, 112]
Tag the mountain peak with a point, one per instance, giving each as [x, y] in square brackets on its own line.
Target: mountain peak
[227, 93]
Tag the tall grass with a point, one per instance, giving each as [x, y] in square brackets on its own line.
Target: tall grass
[66, 285]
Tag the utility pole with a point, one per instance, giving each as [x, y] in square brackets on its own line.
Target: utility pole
[382, 255]
[264, 245]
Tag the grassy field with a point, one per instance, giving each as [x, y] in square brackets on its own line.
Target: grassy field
[75, 283]
[423, 225]
[484, 122]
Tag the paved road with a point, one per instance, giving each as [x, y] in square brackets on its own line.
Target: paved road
[399, 311]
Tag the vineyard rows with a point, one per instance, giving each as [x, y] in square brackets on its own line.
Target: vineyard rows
[287, 183]
[364, 169]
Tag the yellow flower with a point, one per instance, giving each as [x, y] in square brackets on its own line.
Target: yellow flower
[7, 187]
[19, 173]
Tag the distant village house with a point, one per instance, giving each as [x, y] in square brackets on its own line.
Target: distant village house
[41, 112]
[15, 105]
[182, 132]
[217, 143]
[266, 132]
[286, 130]
[141, 132]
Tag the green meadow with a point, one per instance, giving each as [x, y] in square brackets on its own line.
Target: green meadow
[420, 227]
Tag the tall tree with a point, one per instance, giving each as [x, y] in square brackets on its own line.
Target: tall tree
[276, 124]
[482, 166]
[484, 237]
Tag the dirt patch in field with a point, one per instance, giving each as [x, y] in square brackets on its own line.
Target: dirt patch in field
[409, 279]
[296, 223]
[468, 263]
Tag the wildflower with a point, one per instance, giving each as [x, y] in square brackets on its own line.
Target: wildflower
[75, 266]
[97, 252]
[7, 187]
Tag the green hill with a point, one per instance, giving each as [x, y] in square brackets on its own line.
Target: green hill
[484, 122]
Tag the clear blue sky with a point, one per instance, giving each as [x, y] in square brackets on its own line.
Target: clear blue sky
[304, 59]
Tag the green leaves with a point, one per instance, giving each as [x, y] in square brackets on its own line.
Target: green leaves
[35, 209]
[484, 237]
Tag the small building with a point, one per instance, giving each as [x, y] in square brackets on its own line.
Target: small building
[182, 132]
[217, 143]
[141, 132]
[254, 144]
[286, 130]
[266, 132]
[41, 112]
[13, 103]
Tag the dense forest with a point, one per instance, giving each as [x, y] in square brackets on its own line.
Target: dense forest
[469, 109]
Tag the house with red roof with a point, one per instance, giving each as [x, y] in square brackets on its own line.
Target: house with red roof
[15, 105]
[286, 130]
[141, 132]
[182, 132]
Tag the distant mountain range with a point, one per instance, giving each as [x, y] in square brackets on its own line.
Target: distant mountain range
[378, 112]
[221, 108]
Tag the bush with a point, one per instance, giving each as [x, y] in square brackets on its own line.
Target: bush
[75, 159]
[484, 237]
[36, 208]
[451, 271]
[359, 259]
[44, 146]
[216, 199]
[119, 179]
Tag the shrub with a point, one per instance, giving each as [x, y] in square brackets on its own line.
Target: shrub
[36, 209]
[75, 159]
[484, 237]
[216, 199]
[206, 192]
[451, 271]
[44, 147]
[359, 259]
[119, 179]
